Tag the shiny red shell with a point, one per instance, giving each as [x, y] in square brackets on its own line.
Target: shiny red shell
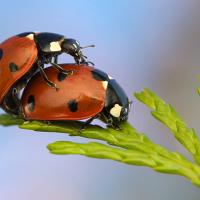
[17, 55]
[80, 95]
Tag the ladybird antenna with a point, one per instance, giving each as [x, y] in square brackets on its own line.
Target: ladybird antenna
[88, 46]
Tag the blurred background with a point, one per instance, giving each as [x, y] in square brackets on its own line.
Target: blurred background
[154, 44]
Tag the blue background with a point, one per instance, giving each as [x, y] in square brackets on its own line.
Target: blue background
[154, 44]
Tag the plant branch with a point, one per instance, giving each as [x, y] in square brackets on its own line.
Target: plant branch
[127, 146]
[166, 114]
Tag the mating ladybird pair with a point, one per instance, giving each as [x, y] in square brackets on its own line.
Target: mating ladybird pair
[60, 92]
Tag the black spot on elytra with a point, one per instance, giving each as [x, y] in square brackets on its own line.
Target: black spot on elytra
[13, 67]
[1, 54]
[72, 105]
[61, 76]
[99, 75]
[31, 103]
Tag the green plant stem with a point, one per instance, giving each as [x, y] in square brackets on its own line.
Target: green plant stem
[166, 114]
[127, 146]
[9, 120]
[157, 162]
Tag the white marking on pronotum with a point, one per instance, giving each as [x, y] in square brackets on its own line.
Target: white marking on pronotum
[116, 110]
[75, 45]
[105, 84]
[55, 46]
[30, 36]
[110, 77]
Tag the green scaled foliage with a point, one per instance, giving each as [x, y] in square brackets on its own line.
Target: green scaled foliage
[9, 120]
[166, 114]
[127, 146]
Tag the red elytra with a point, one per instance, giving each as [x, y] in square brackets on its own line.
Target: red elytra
[80, 95]
[17, 55]
[22, 55]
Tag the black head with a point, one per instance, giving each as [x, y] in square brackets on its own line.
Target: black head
[114, 114]
[73, 48]
[117, 104]
[118, 112]
[124, 112]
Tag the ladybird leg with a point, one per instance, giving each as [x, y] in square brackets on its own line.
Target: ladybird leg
[114, 126]
[90, 63]
[60, 69]
[55, 60]
[15, 97]
[86, 123]
[83, 60]
[8, 105]
[11, 102]
[45, 77]
[47, 122]
[110, 121]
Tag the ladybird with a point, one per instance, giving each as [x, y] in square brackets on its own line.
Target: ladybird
[22, 55]
[88, 94]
